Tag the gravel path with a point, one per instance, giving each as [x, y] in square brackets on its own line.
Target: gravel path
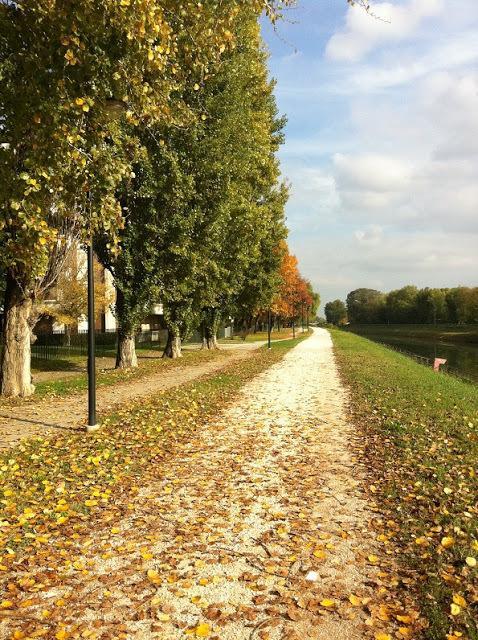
[39, 416]
[256, 529]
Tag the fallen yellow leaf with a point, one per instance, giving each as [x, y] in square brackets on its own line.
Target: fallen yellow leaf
[459, 600]
[154, 576]
[447, 542]
[327, 603]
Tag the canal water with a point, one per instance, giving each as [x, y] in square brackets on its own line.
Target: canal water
[462, 359]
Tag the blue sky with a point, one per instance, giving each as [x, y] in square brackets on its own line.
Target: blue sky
[382, 141]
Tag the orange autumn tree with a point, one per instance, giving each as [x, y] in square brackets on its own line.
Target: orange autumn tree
[294, 296]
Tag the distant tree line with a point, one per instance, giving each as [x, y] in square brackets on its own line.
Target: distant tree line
[408, 305]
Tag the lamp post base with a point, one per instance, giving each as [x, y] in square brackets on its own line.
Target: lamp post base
[90, 428]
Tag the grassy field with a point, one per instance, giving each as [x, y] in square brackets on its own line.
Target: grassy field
[452, 333]
[420, 434]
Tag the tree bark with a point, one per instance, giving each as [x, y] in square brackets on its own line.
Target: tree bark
[209, 341]
[126, 350]
[15, 363]
[209, 332]
[173, 346]
[126, 357]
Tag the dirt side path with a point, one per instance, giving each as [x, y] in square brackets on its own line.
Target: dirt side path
[256, 529]
[19, 421]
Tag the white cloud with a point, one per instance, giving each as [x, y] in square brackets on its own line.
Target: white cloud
[362, 33]
[369, 237]
[409, 66]
[371, 172]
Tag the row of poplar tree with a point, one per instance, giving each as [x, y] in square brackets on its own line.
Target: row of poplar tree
[151, 130]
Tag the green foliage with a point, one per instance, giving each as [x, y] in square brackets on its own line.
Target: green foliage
[74, 78]
[412, 305]
[335, 312]
[204, 211]
[365, 305]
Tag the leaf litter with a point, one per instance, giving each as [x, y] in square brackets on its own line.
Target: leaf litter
[251, 525]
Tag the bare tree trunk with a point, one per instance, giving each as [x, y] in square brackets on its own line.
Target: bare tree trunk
[126, 357]
[173, 346]
[15, 363]
[68, 335]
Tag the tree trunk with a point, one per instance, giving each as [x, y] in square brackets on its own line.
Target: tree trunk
[68, 335]
[15, 363]
[209, 331]
[173, 346]
[209, 341]
[126, 352]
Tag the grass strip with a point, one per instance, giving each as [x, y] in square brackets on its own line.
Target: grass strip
[108, 377]
[421, 445]
[54, 486]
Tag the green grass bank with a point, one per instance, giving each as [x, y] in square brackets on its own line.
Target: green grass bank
[450, 333]
[420, 434]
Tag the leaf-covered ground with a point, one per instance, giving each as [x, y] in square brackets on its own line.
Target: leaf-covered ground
[421, 435]
[179, 520]
[39, 415]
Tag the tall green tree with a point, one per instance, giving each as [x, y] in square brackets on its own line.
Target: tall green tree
[74, 77]
[244, 135]
[401, 305]
[336, 312]
[365, 306]
[205, 208]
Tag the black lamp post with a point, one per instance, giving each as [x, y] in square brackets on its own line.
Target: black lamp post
[269, 328]
[92, 425]
[114, 108]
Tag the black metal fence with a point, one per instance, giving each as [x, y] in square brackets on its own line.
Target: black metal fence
[61, 346]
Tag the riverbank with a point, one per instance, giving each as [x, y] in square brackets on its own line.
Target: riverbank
[458, 345]
[421, 445]
[448, 333]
